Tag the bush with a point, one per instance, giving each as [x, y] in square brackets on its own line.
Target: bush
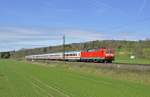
[5, 55]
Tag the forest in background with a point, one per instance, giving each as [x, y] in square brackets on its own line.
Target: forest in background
[123, 49]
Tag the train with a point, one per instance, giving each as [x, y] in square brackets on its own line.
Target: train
[103, 55]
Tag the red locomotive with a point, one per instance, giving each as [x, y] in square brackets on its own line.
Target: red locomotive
[99, 55]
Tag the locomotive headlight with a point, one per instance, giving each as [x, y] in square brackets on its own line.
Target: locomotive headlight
[109, 55]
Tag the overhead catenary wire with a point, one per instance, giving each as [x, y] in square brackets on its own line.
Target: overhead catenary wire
[64, 47]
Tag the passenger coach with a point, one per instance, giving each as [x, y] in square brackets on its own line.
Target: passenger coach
[95, 55]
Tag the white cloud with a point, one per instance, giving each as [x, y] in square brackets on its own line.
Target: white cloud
[20, 37]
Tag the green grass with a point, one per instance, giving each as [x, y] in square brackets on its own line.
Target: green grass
[22, 79]
[123, 56]
[126, 59]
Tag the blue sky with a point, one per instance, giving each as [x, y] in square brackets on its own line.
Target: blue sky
[36, 23]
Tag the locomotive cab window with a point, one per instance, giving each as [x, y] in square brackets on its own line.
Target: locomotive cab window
[109, 51]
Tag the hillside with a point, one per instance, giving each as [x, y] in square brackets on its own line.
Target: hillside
[123, 49]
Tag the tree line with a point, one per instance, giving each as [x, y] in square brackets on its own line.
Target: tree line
[140, 48]
[5, 55]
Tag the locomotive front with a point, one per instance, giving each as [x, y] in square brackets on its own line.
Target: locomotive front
[109, 55]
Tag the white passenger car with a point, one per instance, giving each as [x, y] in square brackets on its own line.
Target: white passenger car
[45, 56]
[71, 55]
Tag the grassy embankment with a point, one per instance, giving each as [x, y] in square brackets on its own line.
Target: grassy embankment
[24, 79]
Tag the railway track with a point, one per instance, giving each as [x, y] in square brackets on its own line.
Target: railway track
[121, 66]
[127, 66]
[131, 64]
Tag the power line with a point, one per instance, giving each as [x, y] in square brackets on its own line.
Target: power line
[64, 47]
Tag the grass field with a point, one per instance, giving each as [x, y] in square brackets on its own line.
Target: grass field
[132, 61]
[23, 79]
[123, 56]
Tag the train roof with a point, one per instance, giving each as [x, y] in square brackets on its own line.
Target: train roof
[72, 51]
[66, 52]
